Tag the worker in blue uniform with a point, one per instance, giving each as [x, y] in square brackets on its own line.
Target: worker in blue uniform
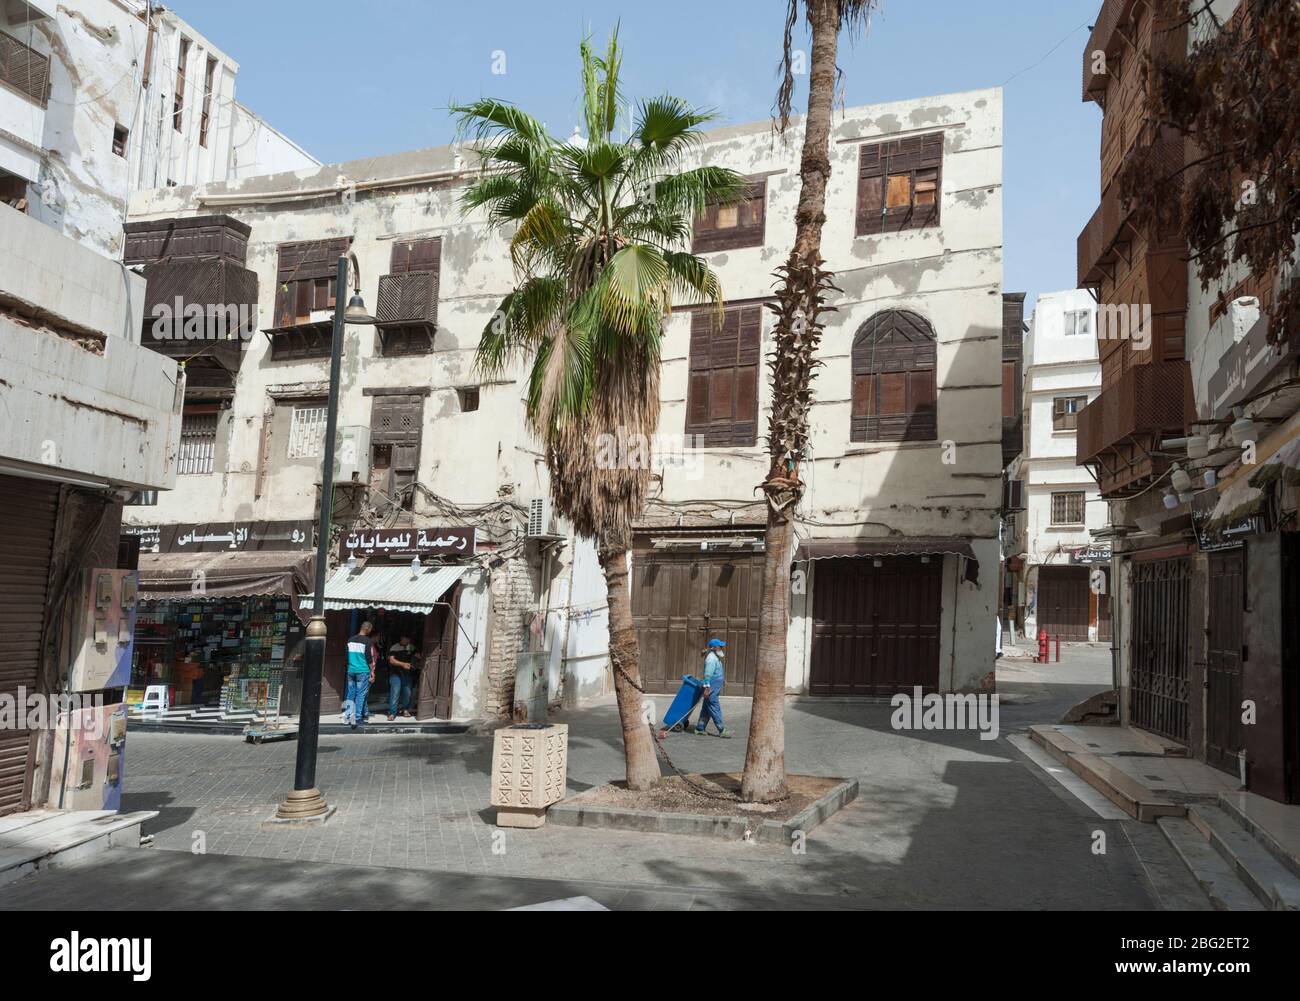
[715, 675]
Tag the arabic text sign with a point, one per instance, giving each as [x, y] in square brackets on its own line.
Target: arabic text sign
[1204, 504]
[223, 537]
[407, 542]
[1245, 367]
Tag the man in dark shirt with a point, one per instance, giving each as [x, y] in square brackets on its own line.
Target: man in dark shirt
[401, 664]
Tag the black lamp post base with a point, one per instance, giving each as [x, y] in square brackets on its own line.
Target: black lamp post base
[303, 805]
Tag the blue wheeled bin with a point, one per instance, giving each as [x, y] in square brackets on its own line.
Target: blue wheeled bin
[684, 701]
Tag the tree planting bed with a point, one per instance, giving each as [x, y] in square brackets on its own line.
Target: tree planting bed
[673, 807]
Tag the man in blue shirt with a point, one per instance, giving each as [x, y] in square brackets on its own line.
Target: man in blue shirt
[361, 674]
[715, 676]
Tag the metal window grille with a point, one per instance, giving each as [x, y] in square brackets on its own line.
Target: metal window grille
[307, 432]
[198, 444]
[1067, 508]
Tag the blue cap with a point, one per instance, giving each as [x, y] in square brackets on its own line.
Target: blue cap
[715, 644]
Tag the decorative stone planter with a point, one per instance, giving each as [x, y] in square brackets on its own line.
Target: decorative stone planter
[529, 769]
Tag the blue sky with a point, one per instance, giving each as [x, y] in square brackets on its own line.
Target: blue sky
[352, 79]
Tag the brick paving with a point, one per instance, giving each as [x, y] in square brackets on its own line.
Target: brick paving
[943, 819]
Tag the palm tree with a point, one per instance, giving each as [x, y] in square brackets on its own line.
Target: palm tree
[599, 231]
[800, 302]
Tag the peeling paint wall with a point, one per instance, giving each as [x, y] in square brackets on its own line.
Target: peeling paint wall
[108, 73]
[950, 274]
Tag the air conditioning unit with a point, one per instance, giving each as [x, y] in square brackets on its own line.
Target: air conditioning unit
[1244, 313]
[352, 454]
[541, 518]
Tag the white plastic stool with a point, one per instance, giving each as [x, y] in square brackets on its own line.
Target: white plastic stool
[155, 700]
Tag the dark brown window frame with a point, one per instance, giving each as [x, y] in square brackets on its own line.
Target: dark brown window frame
[1064, 419]
[723, 375]
[1071, 501]
[306, 280]
[121, 136]
[389, 441]
[917, 158]
[898, 343]
[205, 115]
[708, 238]
[178, 99]
[418, 256]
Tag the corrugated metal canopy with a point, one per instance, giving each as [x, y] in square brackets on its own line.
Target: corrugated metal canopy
[391, 587]
[238, 574]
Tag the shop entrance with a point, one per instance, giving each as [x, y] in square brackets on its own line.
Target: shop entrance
[432, 633]
[1063, 596]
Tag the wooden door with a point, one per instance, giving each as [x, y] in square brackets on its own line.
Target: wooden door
[334, 682]
[1226, 601]
[875, 629]
[680, 602]
[438, 673]
[1063, 602]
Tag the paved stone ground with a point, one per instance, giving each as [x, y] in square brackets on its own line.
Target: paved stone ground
[943, 820]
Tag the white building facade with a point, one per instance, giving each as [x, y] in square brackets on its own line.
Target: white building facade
[105, 97]
[1063, 580]
[896, 571]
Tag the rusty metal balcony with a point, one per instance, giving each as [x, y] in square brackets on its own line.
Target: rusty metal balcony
[1120, 431]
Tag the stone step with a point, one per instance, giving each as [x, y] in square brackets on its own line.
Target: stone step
[1114, 783]
[55, 838]
[1240, 805]
[1226, 892]
[1276, 887]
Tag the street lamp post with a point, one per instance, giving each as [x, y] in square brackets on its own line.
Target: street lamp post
[305, 802]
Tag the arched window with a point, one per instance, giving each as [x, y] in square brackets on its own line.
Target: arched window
[893, 379]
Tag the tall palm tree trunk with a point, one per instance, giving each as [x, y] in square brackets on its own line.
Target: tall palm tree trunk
[638, 747]
[799, 302]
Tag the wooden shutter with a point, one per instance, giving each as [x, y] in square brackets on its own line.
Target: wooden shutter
[900, 184]
[1008, 389]
[722, 387]
[733, 226]
[395, 424]
[415, 255]
[894, 389]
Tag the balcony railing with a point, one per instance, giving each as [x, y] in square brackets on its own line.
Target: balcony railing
[1147, 399]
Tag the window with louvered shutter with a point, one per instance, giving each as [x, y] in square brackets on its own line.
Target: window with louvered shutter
[722, 392]
[729, 227]
[894, 393]
[306, 282]
[395, 425]
[24, 69]
[407, 305]
[900, 184]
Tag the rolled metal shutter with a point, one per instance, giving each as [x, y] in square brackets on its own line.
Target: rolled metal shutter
[30, 508]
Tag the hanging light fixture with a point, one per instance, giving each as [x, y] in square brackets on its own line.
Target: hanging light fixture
[1171, 501]
[356, 313]
[415, 567]
[1242, 430]
[1210, 478]
[1180, 481]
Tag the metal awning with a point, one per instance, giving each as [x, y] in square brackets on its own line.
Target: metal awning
[848, 548]
[392, 587]
[1282, 466]
[1237, 502]
[239, 574]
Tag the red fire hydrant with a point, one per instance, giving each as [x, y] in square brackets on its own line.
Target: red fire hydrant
[1042, 646]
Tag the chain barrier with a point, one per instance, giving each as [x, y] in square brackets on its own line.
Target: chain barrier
[725, 797]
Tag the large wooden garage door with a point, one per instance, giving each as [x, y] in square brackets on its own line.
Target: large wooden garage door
[30, 508]
[680, 601]
[1159, 646]
[1063, 602]
[875, 629]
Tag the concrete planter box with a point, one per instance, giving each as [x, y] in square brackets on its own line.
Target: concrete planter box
[529, 771]
[574, 812]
